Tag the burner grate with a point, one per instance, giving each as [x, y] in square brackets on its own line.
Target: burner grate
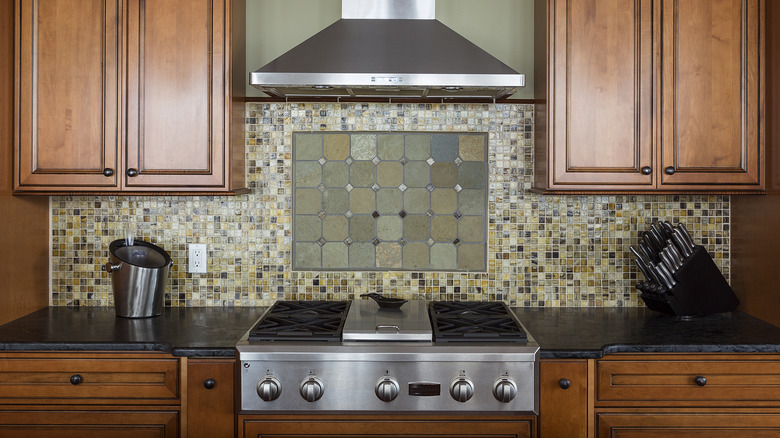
[458, 321]
[302, 321]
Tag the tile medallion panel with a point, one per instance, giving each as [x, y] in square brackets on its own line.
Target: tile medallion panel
[393, 201]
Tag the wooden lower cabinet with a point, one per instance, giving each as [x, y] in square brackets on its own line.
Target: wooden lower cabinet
[89, 424]
[563, 394]
[387, 426]
[210, 392]
[687, 425]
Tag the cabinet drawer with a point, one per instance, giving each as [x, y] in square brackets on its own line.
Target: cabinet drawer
[90, 379]
[672, 381]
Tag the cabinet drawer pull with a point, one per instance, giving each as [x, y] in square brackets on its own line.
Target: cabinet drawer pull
[700, 380]
[132, 172]
[669, 170]
[209, 383]
[76, 379]
[108, 172]
[647, 170]
[564, 383]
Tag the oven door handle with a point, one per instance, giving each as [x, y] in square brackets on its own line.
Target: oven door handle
[384, 327]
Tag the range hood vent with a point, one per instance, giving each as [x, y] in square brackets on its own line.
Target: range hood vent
[388, 49]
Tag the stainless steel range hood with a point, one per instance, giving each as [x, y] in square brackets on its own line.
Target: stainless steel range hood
[390, 49]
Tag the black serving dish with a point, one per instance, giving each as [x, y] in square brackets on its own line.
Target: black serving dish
[386, 302]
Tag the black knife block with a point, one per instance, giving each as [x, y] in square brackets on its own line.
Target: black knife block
[700, 290]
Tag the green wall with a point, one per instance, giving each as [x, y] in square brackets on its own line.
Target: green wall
[504, 28]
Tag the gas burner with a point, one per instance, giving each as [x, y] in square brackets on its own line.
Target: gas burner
[302, 321]
[458, 321]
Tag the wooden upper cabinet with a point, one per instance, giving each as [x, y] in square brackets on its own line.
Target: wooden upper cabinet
[638, 96]
[67, 94]
[711, 99]
[146, 92]
[599, 99]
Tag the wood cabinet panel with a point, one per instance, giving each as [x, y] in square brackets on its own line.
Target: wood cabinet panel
[210, 410]
[386, 427]
[89, 424]
[176, 99]
[68, 93]
[88, 380]
[563, 409]
[658, 380]
[685, 425]
[638, 96]
[601, 74]
[711, 98]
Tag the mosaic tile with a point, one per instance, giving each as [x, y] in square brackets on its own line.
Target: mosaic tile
[390, 147]
[444, 174]
[417, 174]
[336, 146]
[546, 251]
[444, 147]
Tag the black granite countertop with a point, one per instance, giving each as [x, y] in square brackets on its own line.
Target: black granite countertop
[181, 331]
[594, 332]
[560, 332]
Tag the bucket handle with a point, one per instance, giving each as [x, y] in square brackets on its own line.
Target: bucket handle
[108, 267]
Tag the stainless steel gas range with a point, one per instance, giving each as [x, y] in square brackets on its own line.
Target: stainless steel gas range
[353, 356]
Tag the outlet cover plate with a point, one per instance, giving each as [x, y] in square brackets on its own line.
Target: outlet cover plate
[197, 258]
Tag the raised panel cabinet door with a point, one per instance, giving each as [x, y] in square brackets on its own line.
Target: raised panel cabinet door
[563, 393]
[89, 424]
[210, 398]
[712, 98]
[176, 94]
[67, 92]
[687, 425]
[600, 94]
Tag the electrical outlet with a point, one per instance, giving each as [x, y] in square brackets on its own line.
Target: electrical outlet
[198, 258]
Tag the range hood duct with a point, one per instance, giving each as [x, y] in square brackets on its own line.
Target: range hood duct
[388, 49]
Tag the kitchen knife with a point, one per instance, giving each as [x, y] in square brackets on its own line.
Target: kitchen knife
[640, 255]
[655, 273]
[658, 237]
[668, 278]
[686, 234]
[647, 251]
[682, 242]
[669, 228]
[658, 231]
[649, 239]
[667, 261]
[643, 267]
[675, 253]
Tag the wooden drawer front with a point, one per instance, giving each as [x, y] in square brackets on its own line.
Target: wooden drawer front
[45, 380]
[663, 382]
[689, 425]
[89, 424]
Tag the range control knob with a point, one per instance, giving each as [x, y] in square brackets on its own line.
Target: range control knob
[462, 389]
[505, 389]
[269, 388]
[312, 388]
[387, 389]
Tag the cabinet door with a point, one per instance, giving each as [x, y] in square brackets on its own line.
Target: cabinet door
[176, 94]
[563, 392]
[89, 424]
[210, 398]
[67, 95]
[687, 425]
[711, 97]
[599, 95]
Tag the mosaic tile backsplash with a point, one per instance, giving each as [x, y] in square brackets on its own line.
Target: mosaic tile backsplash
[394, 201]
[541, 250]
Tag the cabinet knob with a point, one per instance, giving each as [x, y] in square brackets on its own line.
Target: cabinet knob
[209, 383]
[669, 170]
[76, 379]
[647, 170]
[564, 383]
[108, 172]
[132, 172]
[700, 380]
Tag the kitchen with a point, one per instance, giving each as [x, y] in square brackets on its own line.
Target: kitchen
[566, 251]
